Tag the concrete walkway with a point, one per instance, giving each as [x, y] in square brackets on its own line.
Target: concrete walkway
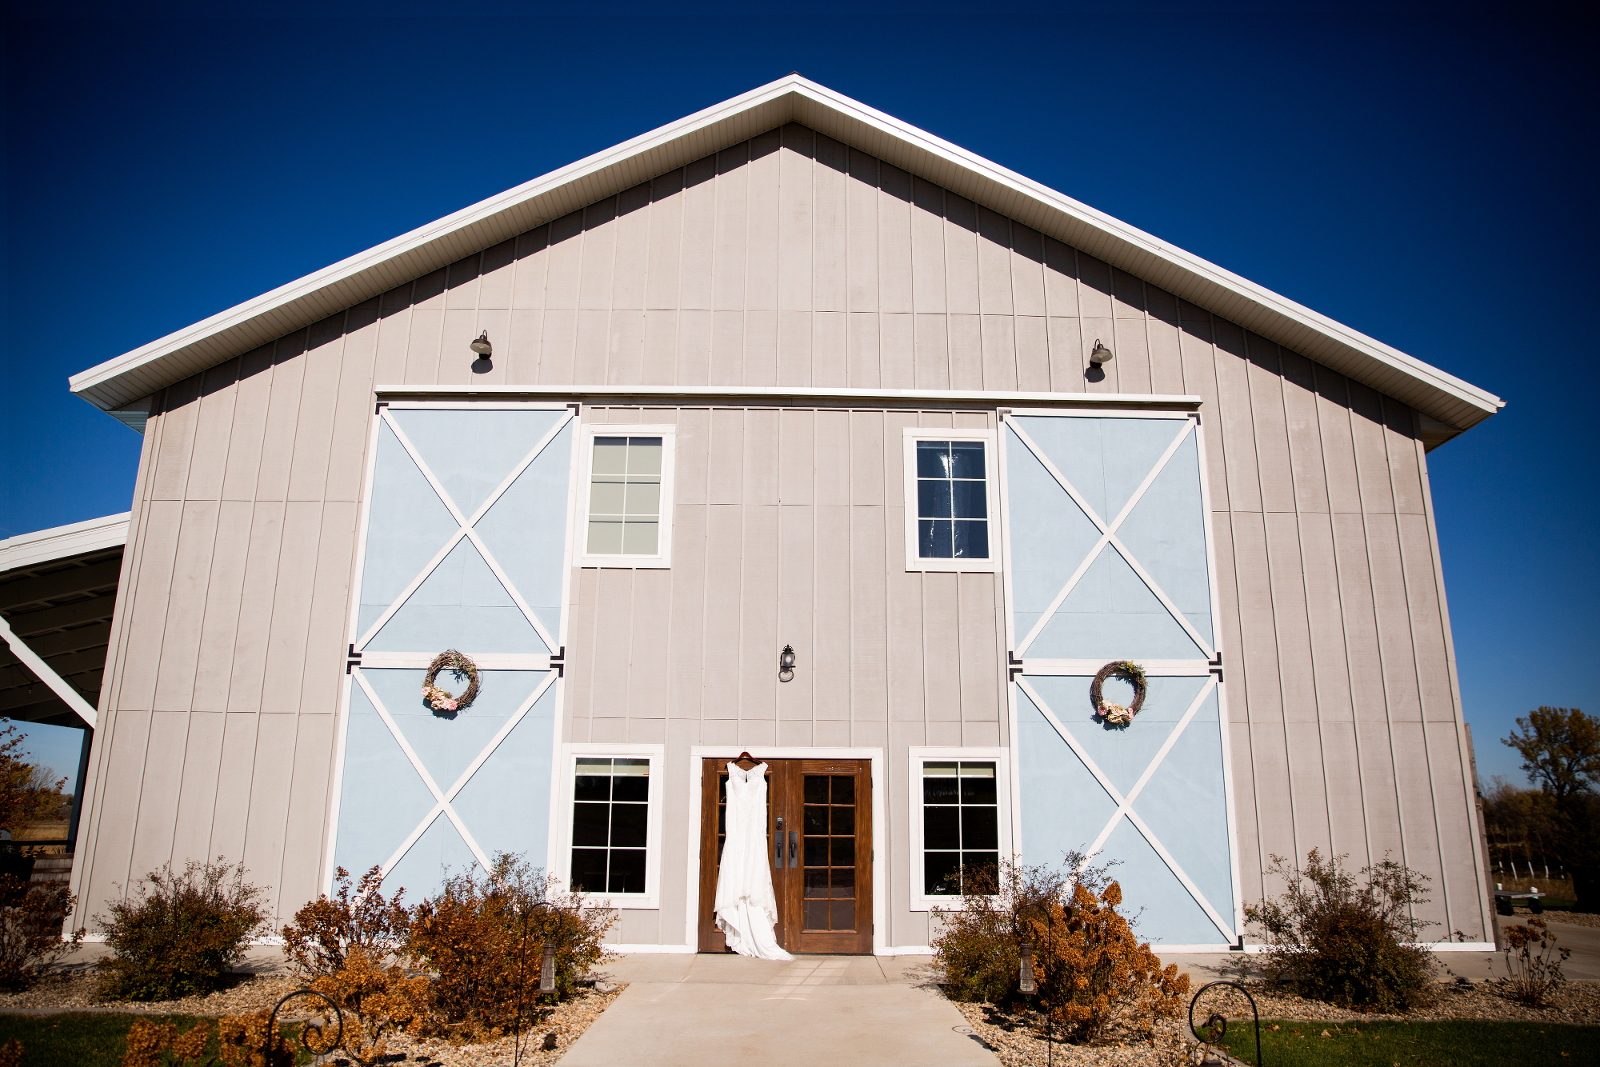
[708, 1010]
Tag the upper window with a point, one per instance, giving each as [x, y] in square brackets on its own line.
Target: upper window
[950, 500]
[628, 498]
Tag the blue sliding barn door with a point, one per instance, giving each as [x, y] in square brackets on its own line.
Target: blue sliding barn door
[1108, 560]
[464, 547]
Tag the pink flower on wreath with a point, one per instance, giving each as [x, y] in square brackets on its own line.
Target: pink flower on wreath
[449, 705]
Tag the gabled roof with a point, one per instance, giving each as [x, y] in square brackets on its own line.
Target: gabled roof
[118, 384]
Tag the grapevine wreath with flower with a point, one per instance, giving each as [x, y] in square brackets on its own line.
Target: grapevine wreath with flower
[1116, 714]
[458, 665]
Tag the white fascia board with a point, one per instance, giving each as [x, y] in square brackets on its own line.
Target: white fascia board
[140, 372]
[780, 393]
[63, 542]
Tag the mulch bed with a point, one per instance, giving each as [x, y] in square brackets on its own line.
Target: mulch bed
[1570, 918]
[568, 1020]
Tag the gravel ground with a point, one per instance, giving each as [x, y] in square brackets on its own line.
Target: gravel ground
[567, 1021]
[1016, 1043]
[1571, 918]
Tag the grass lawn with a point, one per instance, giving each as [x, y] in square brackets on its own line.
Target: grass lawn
[1419, 1044]
[82, 1039]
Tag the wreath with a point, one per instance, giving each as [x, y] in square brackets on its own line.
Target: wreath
[1116, 714]
[458, 665]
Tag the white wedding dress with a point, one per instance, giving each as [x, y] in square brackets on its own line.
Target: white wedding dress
[746, 908]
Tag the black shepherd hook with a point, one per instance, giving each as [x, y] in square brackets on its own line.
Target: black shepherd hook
[309, 1028]
[1217, 1023]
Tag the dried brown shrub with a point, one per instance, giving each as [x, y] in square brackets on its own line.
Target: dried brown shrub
[1344, 942]
[252, 1041]
[1533, 963]
[31, 917]
[11, 1054]
[327, 930]
[1092, 973]
[149, 1039]
[374, 1000]
[483, 937]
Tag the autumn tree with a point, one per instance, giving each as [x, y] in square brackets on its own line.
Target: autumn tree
[1560, 750]
[26, 792]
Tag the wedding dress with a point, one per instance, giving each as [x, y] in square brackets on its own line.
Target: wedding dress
[746, 908]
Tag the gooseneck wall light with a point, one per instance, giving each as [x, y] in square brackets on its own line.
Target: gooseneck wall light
[1101, 353]
[482, 345]
[786, 664]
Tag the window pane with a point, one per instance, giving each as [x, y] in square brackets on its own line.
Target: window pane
[971, 540]
[589, 870]
[969, 500]
[816, 882]
[627, 870]
[938, 790]
[977, 791]
[591, 786]
[631, 789]
[605, 498]
[589, 824]
[816, 852]
[644, 499]
[941, 828]
[816, 819]
[644, 455]
[844, 915]
[628, 825]
[816, 789]
[640, 538]
[966, 459]
[931, 769]
[610, 455]
[980, 828]
[937, 867]
[844, 851]
[844, 790]
[933, 539]
[933, 459]
[987, 862]
[605, 538]
[844, 820]
[933, 500]
[844, 882]
[816, 915]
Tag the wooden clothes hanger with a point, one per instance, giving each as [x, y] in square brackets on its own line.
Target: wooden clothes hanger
[746, 756]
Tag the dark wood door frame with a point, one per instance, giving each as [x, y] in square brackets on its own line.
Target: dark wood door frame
[824, 885]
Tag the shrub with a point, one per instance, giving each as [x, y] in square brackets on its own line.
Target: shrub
[181, 934]
[31, 917]
[1533, 963]
[148, 1039]
[374, 1000]
[1346, 943]
[484, 938]
[326, 931]
[1091, 972]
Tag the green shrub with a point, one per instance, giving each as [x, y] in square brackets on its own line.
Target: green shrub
[483, 937]
[326, 931]
[31, 917]
[1090, 970]
[1353, 945]
[182, 932]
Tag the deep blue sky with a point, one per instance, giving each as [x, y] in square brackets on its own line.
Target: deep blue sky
[1426, 178]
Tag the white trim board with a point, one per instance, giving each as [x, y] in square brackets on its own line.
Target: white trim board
[791, 394]
[63, 542]
[290, 307]
[43, 671]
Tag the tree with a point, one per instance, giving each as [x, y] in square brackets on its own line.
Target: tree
[26, 792]
[1560, 749]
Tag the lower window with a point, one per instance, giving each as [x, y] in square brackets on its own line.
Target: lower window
[960, 826]
[610, 824]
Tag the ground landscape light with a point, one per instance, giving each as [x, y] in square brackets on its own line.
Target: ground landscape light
[1101, 353]
[482, 345]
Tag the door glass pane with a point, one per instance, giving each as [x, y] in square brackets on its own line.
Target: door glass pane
[844, 820]
[816, 914]
[844, 851]
[844, 789]
[816, 881]
[816, 852]
[816, 789]
[816, 819]
[843, 915]
[844, 882]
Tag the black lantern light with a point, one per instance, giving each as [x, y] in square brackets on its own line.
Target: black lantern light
[786, 664]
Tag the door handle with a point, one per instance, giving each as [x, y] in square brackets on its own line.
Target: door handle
[777, 852]
[794, 848]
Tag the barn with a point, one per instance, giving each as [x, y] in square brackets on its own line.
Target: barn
[793, 431]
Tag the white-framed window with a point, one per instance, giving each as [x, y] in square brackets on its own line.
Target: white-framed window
[625, 519]
[610, 812]
[960, 819]
[952, 500]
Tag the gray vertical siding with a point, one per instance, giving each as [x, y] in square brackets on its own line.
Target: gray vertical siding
[787, 260]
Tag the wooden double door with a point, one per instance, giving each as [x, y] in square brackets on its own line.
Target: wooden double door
[819, 848]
